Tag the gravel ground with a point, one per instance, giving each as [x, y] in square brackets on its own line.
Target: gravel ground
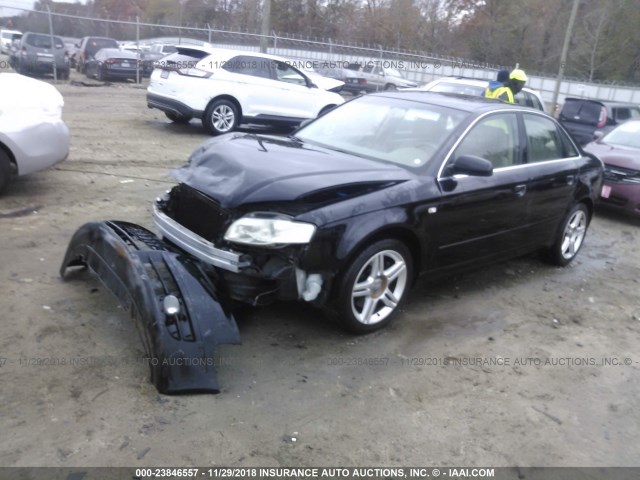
[517, 364]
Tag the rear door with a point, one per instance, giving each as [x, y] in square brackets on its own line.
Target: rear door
[482, 217]
[551, 162]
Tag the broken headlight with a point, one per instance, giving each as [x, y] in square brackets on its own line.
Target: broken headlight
[268, 229]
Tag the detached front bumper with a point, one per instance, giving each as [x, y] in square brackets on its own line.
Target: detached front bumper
[173, 303]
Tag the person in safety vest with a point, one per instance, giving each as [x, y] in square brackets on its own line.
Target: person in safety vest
[503, 76]
[517, 79]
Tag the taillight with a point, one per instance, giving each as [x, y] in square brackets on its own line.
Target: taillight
[362, 81]
[194, 72]
[110, 61]
[602, 119]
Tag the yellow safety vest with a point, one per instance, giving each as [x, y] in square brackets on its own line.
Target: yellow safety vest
[501, 93]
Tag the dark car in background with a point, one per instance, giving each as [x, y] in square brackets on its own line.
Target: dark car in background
[113, 64]
[583, 116]
[34, 54]
[620, 152]
[89, 46]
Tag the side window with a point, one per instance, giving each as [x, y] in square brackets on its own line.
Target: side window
[621, 114]
[493, 138]
[248, 65]
[543, 139]
[285, 73]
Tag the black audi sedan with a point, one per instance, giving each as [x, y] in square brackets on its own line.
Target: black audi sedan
[350, 209]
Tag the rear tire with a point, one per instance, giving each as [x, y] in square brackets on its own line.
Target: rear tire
[390, 87]
[5, 170]
[221, 116]
[570, 236]
[373, 287]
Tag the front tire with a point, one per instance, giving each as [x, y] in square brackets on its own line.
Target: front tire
[220, 117]
[373, 287]
[570, 237]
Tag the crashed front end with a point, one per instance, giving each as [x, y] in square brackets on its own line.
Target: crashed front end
[259, 257]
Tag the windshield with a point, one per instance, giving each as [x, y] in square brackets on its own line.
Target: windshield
[626, 135]
[398, 131]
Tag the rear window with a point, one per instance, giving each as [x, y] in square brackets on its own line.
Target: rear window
[591, 113]
[622, 114]
[95, 44]
[43, 41]
[182, 59]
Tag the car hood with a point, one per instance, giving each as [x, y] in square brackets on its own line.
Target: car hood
[29, 102]
[237, 169]
[625, 157]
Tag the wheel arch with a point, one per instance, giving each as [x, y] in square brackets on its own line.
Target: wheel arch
[588, 202]
[10, 155]
[396, 232]
[230, 98]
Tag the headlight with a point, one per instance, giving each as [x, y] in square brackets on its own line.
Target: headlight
[266, 229]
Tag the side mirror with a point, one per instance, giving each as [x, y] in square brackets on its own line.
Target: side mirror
[471, 165]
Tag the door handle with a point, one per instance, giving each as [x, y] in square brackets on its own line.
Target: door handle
[571, 179]
[520, 190]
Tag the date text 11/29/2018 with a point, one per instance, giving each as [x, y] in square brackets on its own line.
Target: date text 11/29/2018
[370, 473]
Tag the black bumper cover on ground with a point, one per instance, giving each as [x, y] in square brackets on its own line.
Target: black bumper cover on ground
[142, 271]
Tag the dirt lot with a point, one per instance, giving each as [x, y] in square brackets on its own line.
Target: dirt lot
[536, 372]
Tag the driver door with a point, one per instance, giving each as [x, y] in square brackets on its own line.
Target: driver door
[482, 217]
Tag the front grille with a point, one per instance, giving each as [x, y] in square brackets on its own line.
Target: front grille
[621, 175]
[198, 212]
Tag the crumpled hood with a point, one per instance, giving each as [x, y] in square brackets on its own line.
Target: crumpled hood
[238, 169]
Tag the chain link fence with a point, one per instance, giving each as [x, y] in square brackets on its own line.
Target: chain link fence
[420, 67]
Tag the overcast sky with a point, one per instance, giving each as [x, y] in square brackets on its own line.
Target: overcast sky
[4, 11]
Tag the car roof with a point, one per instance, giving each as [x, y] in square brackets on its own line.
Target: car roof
[229, 53]
[468, 103]
[479, 82]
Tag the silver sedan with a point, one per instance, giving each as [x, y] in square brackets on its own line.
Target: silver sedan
[33, 136]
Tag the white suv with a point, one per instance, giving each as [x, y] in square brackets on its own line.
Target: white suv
[226, 87]
[475, 87]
